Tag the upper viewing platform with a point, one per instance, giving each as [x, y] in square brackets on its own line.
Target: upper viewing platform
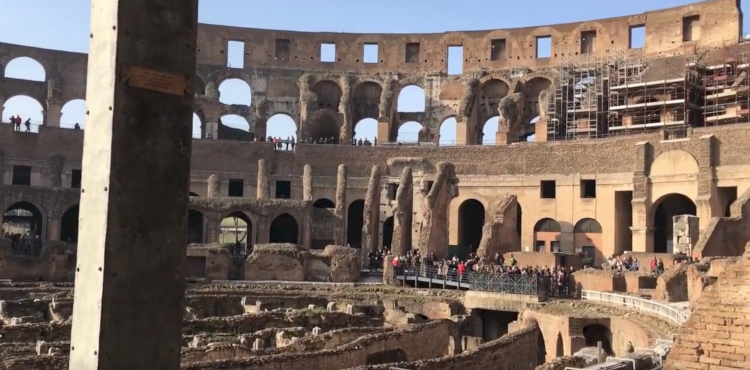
[556, 82]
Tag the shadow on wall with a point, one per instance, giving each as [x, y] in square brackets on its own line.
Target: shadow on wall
[726, 236]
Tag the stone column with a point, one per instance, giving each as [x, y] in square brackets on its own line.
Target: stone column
[370, 219]
[214, 186]
[402, 215]
[263, 190]
[132, 238]
[53, 114]
[340, 210]
[213, 227]
[54, 223]
[307, 183]
[384, 127]
[2, 105]
[643, 233]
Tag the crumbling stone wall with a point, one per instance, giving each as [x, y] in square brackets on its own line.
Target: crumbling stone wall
[402, 216]
[726, 236]
[57, 262]
[290, 262]
[433, 230]
[562, 363]
[500, 235]
[672, 285]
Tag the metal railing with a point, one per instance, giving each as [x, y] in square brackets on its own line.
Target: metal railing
[532, 284]
[670, 313]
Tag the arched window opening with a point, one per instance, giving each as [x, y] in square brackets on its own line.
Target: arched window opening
[519, 221]
[25, 68]
[197, 127]
[195, 226]
[284, 229]
[354, 223]
[541, 355]
[324, 203]
[73, 114]
[588, 226]
[667, 207]
[471, 215]
[281, 126]
[23, 225]
[235, 91]
[559, 347]
[596, 333]
[236, 122]
[448, 132]
[587, 238]
[411, 99]
[28, 108]
[489, 131]
[547, 236]
[388, 232]
[237, 231]
[366, 130]
[409, 132]
[329, 95]
[69, 225]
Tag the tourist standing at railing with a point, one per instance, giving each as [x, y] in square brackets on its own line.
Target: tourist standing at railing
[28, 124]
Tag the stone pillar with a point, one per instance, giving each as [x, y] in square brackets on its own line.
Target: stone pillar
[263, 189]
[54, 224]
[307, 183]
[371, 213]
[213, 227]
[643, 233]
[55, 163]
[462, 131]
[402, 215]
[384, 130]
[340, 210]
[132, 236]
[2, 105]
[214, 186]
[53, 114]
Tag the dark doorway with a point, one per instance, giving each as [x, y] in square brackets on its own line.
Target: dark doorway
[324, 203]
[559, 346]
[595, 333]
[354, 223]
[284, 229]
[495, 323]
[541, 355]
[519, 221]
[69, 225]
[470, 223]
[195, 227]
[666, 208]
[388, 232]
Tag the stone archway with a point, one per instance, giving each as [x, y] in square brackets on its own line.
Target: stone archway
[541, 355]
[388, 232]
[284, 229]
[664, 209]
[23, 217]
[324, 203]
[559, 346]
[547, 235]
[354, 223]
[69, 225]
[471, 216]
[195, 227]
[237, 230]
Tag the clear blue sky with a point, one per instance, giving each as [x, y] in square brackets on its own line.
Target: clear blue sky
[64, 25]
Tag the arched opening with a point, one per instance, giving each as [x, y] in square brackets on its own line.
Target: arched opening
[411, 99]
[533, 88]
[409, 132]
[324, 203]
[470, 223]
[587, 237]
[366, 102]
[282, 126]
[236, 122]
[23, 225]
[366, 130]
[596, 333]
[284, 229]
[324, 127]
[27, 108]
[235, 91]
[559, 347]
[25, 68]
[388, 232]
[195, 224]
[489, 131]
[667, 207]
[329, 95]
[73, 113]
[237, 230]
[541, 355]
[519, 221]
[448, 132]
[197, 126]
[354, 223]
[69, 225]
[547, 236]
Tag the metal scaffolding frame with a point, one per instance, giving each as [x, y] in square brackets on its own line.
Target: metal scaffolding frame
[726, 84]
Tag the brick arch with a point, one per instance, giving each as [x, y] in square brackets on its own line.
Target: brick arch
[329, 93]
[43, 62]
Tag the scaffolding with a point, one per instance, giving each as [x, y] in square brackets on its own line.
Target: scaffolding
[664, 94]
[726, 84]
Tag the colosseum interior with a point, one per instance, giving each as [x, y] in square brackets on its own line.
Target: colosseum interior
[300, 255]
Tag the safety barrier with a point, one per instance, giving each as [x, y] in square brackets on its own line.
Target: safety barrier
[670, 313]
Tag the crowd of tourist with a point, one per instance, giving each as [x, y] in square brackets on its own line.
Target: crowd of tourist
[625, 262]
[288, 144]
[24, 245]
